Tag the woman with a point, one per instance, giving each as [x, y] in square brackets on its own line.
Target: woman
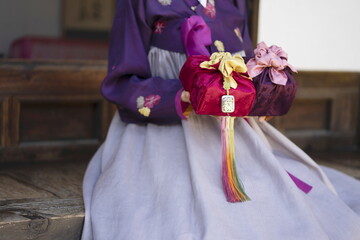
[158, 177]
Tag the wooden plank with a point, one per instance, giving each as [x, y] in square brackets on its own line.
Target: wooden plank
[5, 102]
[60, 180]
[316, 79]
[349, 159]
[12, 189]
[55, 219]
[108, 112]
[354, 172]
[50, 152]
[346, 162]
[308, 114]
[14, 116]
[345, 111]
[49, 121]
[28, 76]
[41, 201]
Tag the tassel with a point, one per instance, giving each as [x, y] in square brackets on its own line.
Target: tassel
[232, 185]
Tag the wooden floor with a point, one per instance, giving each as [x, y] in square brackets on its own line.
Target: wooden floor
[347, 162]
[43, 201]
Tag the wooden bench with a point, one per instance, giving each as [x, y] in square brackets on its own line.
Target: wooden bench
[52, 120]
[51, 110]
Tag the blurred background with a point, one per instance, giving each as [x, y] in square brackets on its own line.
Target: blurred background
[53, 118]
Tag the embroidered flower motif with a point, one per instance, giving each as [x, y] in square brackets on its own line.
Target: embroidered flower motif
[151, 101]
[140, 102]
[238, 34]
[144, 105]
[165, 2]
[219, 45]
[159, 27]
[210, 10]
[145, 111]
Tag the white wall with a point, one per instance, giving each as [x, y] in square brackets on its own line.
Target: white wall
[28, 17]
[317, 34]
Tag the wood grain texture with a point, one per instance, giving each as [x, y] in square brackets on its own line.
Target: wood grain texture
[72, 120]
[42, 219]
[50, 152]
[28, 76]
[4, 121]
[45, 180]
[62, 180]
[346, 162]
[308, 114]
[41, 201]
[12, 189]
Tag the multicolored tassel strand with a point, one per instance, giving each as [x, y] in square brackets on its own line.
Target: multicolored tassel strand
[232, 185]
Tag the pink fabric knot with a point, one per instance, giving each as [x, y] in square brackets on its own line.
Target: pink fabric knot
[273, 57]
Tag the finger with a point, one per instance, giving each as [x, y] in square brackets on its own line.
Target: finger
[265, 118]
[185, 96]
[262, 119]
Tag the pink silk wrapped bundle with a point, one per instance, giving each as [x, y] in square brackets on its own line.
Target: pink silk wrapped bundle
[206, 88]
[273, 80]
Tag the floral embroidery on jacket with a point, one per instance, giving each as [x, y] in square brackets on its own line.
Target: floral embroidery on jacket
[159, 27]
[210, 10]
[145, 104]
[140, 102]
[151, 101]
[238, 34]
[165, 2]
[219, 46]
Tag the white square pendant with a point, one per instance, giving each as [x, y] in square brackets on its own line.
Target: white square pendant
[227, 104]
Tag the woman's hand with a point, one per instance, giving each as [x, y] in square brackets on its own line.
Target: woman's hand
[185, 96]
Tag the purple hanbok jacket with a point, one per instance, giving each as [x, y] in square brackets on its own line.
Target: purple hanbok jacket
[140, 24]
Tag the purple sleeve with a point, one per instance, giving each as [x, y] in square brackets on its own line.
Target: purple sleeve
[249, 49]
[129, 83]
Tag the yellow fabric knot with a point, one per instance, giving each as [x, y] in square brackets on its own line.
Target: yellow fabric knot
[228, 64]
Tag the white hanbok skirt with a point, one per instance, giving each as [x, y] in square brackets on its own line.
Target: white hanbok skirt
[164, 183]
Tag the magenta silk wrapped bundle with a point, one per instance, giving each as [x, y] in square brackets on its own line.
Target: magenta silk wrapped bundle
[206, 88]
[273, 80]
